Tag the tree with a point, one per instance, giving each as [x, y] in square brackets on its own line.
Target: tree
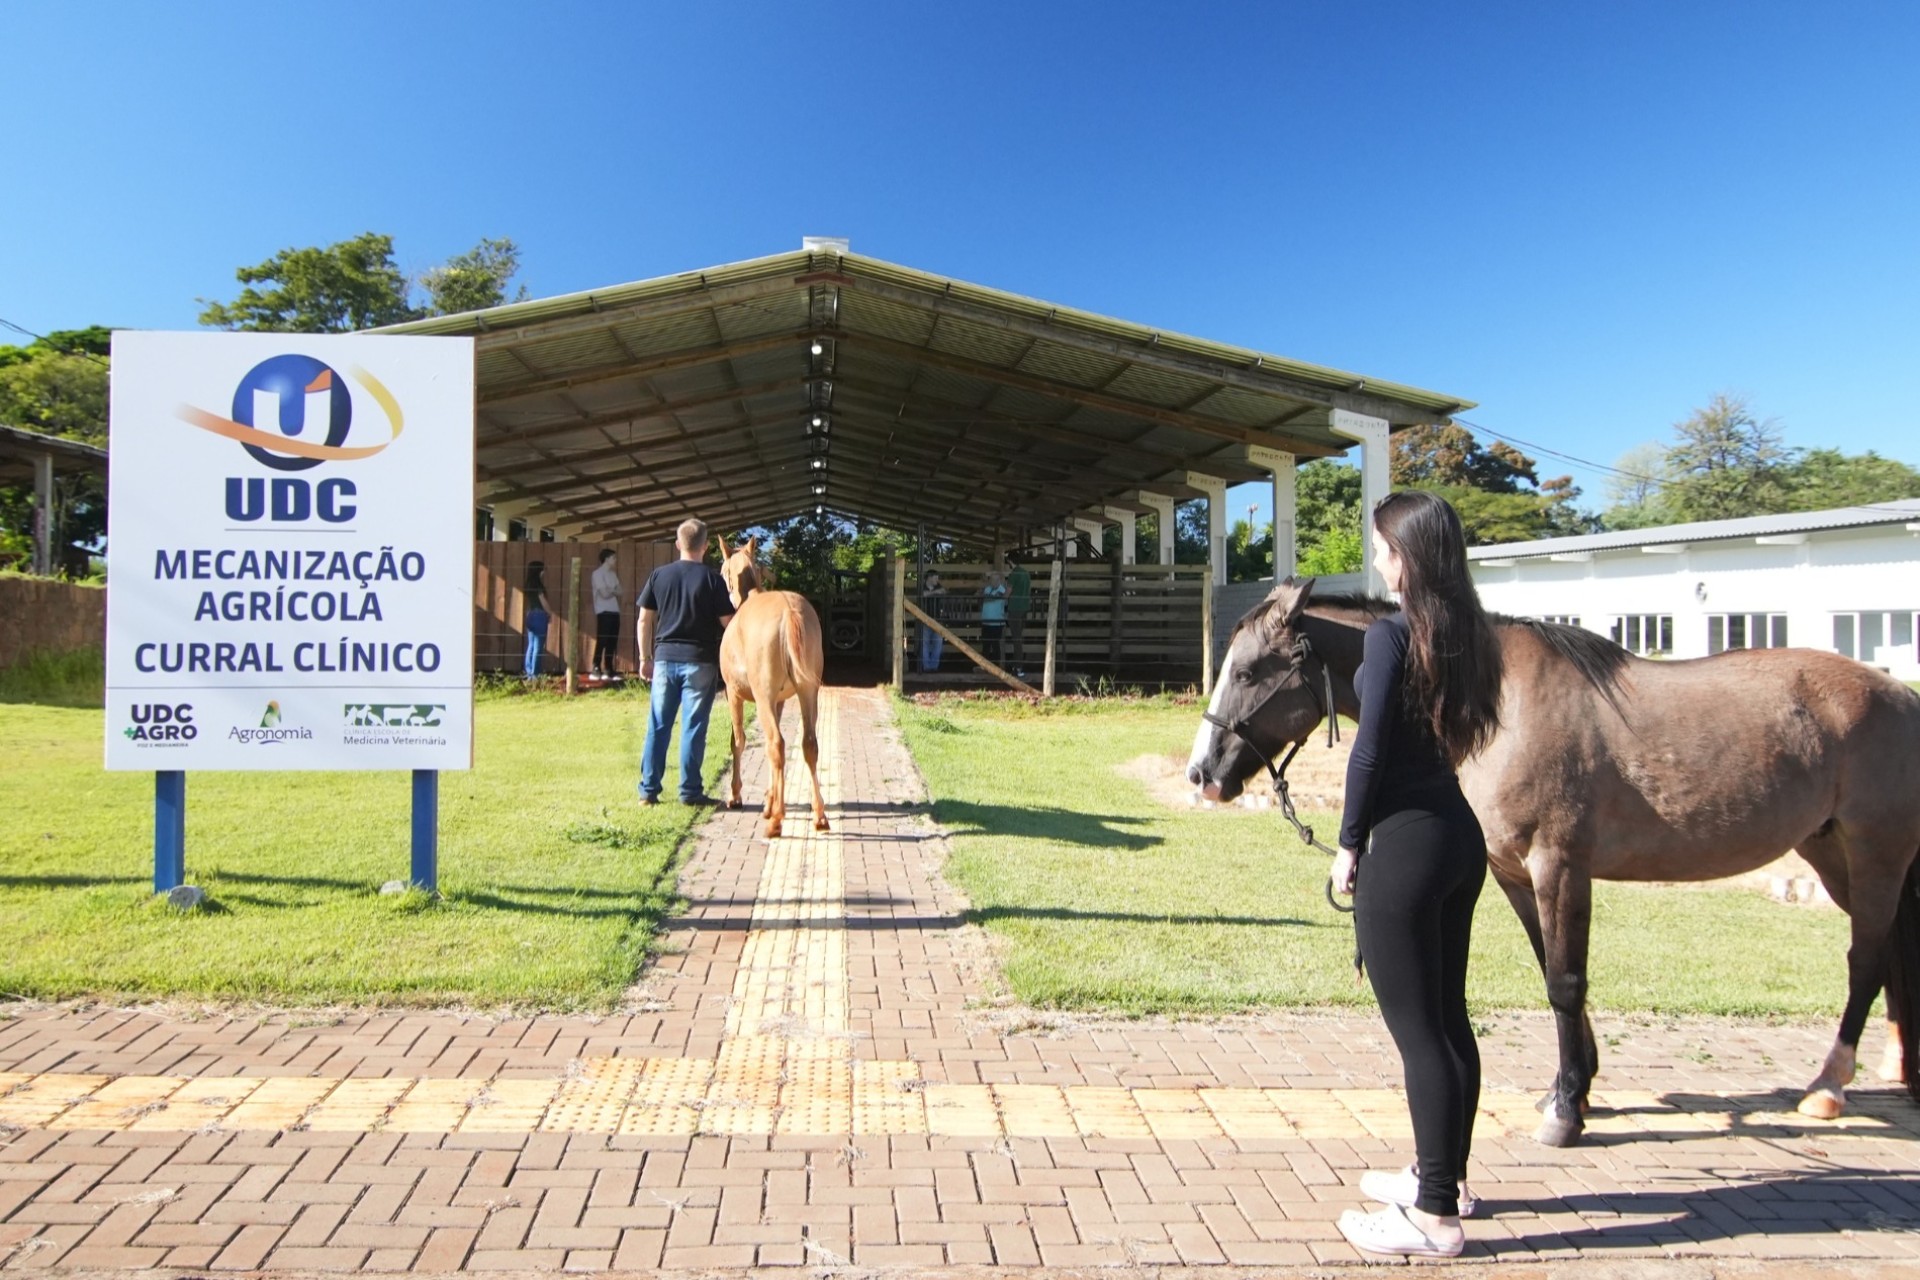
[1821, 479]
[1327, 517]
[1495, 488]
[474, 280]
[1726, 463]
[355, 284]
[57, 385]
[346, 286]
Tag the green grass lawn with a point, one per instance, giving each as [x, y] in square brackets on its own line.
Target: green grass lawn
[553, 877]
[1099, 896]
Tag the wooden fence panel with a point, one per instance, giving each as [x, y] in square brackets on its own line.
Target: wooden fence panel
[499, 603]
[1119, 617]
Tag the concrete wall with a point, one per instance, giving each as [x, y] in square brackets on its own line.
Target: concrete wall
[1835, 573]
[41, 615]
[1232, 601]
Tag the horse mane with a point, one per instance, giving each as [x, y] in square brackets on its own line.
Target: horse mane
[1598, 659]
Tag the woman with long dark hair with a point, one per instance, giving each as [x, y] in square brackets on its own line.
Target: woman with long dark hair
[1429, 698]
[534, 610]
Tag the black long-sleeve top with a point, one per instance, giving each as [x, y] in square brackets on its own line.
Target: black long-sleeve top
[1396, 762]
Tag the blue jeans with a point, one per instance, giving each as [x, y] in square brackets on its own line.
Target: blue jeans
[685, 688]
[932, 646]
[536, 636]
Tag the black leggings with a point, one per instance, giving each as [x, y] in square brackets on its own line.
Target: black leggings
[1418, 883]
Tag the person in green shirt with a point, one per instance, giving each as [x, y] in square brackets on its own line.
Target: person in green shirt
[1019, 601]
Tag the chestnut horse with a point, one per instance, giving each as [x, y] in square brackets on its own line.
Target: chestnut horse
[1614, 767]
[770, 652]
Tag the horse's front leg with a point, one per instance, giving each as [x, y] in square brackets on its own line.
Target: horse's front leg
[1563, 896]
[775, 810]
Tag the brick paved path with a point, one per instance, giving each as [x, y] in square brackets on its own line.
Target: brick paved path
[813, 1075]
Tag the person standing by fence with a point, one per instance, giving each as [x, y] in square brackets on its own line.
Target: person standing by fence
[1019, 603]
[534, 612]
[683, 609]
[933, 601]
[606, 614]
[993, 616]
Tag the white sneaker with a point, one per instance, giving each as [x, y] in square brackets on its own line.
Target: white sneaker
[1403, 1188]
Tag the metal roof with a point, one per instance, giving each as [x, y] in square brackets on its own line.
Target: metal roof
[1865, 515]
[19, 447]
[621, 411]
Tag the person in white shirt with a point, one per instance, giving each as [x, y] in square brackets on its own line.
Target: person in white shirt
[606, 614]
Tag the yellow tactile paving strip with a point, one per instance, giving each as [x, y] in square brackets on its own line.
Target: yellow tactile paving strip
[750, 1091]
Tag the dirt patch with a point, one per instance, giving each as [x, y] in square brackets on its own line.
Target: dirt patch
[1317, 779]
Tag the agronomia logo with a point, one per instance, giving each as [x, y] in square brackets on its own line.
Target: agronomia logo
[273, 729]
[307, 405]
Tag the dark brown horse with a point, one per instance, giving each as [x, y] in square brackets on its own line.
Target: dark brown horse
[770, 652]
[1613, 767]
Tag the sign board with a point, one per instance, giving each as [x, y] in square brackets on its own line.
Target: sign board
[290, 552]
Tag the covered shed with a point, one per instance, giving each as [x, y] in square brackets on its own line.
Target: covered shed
[36, 458]
[822, 379]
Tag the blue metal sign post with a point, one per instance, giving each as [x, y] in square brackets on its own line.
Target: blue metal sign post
[426, 829]
[169, 829]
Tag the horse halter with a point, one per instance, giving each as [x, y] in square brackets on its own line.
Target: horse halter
[1241, 728]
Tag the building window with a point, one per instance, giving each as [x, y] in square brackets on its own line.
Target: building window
[1746, 631]
[1869, 636]
[1647, 634]
[1564, 619]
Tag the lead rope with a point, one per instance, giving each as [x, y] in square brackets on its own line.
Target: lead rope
[1285, 792]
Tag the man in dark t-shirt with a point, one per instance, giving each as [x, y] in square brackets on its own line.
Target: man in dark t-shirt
[683, 609]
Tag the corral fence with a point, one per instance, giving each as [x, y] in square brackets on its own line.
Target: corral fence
[499, 600]
[1121, 623]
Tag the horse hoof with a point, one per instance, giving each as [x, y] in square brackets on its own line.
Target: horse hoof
[1823, 1104]
[1558, 1131]
[820, 824]
[1891, 1068]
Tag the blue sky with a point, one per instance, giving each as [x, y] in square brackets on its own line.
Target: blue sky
[1589, 218]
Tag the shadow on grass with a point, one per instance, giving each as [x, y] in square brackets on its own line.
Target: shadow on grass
[984, 915]
[1095, 830]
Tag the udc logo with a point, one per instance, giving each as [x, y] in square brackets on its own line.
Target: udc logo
[293, 412]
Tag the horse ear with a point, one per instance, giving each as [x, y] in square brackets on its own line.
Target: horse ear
[1305, 586]
[753, 543]
[721, 538]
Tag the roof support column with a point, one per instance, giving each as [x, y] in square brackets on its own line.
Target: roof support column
[43, 514]
[1376, 479]
[1126, 519]
[1216, 490]
[1285, 507]
[1163, 507]
[504, 514]
[1096, 533]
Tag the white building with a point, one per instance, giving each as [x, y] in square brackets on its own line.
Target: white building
[1847, 581]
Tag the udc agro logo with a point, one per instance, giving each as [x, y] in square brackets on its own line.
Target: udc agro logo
[308, 412]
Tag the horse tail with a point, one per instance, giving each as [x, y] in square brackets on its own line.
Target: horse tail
[1903, 977]
[795, 632]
